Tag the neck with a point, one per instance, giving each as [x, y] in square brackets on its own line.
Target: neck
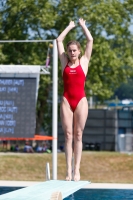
[73, 62]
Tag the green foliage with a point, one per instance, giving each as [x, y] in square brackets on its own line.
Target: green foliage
[108, 21]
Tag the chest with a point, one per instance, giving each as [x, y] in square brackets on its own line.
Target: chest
[76, 72]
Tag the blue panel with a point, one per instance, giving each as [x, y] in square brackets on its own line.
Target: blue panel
[121, 130]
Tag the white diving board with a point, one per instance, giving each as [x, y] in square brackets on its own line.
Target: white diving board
[44, 190]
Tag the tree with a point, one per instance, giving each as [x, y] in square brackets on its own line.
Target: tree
[108, 21]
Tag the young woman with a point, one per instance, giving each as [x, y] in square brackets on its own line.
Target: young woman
[74, 105]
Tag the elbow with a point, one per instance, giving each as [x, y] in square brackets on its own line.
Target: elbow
[58, 39]
[91, 39]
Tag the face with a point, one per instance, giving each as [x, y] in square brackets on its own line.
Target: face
[73, 52]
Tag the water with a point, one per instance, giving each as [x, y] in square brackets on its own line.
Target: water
[89, 194]
[101, 194]
[4, 190]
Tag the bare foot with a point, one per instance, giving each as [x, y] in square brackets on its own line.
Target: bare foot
[69, 176]
[77, 176]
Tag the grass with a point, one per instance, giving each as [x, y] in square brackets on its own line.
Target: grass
[98, 167]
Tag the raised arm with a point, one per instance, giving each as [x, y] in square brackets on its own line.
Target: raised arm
[89, 44]
[60, 46]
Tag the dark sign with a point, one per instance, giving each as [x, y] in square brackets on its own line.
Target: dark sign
[17, 107]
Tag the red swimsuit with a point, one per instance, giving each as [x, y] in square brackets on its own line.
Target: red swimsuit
[74, 81]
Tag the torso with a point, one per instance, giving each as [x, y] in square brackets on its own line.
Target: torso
[74, 81]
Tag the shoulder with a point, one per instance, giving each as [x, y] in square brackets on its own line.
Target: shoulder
[84, 62]
[64, 62]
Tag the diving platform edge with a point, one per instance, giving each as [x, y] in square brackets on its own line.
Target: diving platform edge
[44, 190]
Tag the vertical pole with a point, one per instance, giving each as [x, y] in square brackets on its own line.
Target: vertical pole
[91, 100]
[47, 172]
[55, 110]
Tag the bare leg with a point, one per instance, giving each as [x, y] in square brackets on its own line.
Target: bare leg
[67, 125]
[80, 116]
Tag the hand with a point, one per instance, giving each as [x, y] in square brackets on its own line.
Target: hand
[82, 22]
[72, 24]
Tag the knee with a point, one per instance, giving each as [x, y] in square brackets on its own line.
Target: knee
[68, 136]
[78, 136]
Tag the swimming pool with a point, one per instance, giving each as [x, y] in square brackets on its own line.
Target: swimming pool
[89, 194]
[101, 194]
[4, 190]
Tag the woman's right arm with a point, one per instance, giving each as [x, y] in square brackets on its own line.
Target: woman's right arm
[60, 46]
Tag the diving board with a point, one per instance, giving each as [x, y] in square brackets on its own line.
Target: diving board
[44, 190]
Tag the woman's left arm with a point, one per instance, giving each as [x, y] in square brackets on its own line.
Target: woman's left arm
[88, 50]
